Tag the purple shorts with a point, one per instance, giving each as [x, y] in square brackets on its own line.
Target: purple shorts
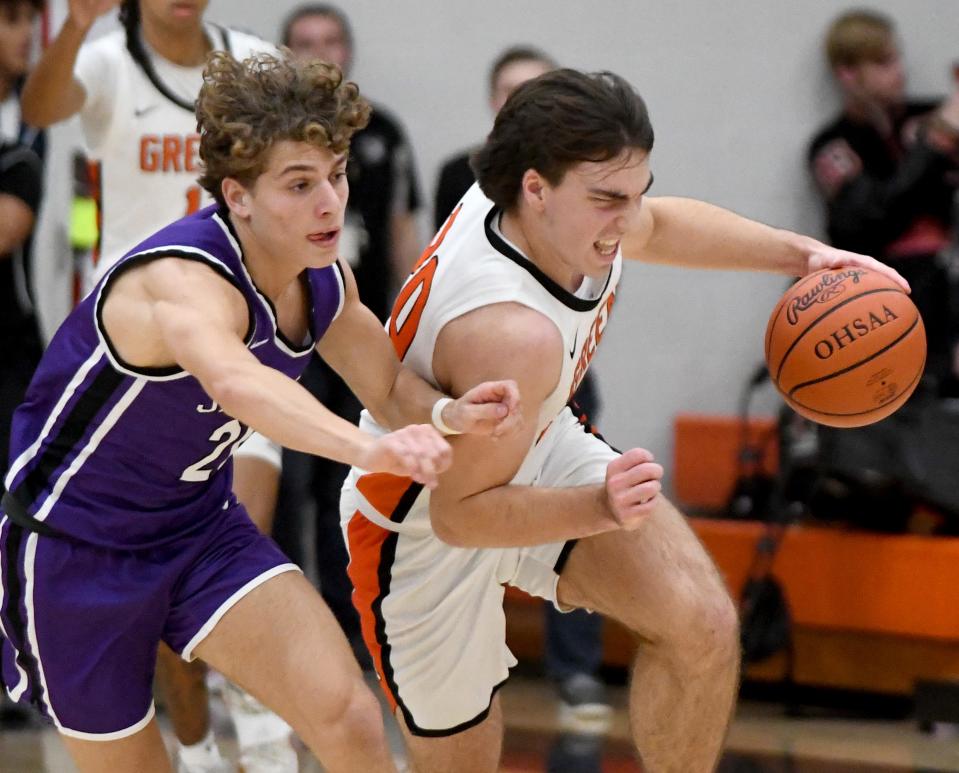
[80, 624]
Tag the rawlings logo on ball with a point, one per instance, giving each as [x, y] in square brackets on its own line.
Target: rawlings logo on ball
[824, 290]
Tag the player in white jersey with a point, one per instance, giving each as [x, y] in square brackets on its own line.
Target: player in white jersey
[134, 89]
[520, 282]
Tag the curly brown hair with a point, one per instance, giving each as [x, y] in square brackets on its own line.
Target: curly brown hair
[245, 107]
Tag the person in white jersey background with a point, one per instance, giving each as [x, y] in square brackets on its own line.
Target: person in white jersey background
[519, 283]
[134, 90]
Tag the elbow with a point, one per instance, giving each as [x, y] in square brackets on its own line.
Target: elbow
[227, 387]
[445, 529]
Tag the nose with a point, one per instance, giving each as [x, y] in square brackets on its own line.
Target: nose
[628, 219]
[327, 201]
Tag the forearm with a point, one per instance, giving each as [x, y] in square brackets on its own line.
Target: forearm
[48, 93]
[519, 516]
[693, 233]
[410, 400]
[280, 408]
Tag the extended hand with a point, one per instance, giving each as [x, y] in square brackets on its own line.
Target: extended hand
[830, 257]
[418, 452]
[632, 487]
[490, 408]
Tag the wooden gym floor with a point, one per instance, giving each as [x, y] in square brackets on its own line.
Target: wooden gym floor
[762, 740]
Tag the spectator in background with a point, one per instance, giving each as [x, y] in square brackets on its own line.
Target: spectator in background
[886, 168]
[381, 242]
[574, 647]
[21, 149]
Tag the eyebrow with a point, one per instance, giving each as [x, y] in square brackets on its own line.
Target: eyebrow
[339, 160]
[618, 195]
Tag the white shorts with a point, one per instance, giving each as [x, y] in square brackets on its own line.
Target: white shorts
[432, 614]
[261, 447]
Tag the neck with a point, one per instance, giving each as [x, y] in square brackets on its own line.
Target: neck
[184, 47]
[270, 274]
[520, 229]
[870, 112]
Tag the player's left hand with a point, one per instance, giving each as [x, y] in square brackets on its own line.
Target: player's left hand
[490, 408]
[829, 257]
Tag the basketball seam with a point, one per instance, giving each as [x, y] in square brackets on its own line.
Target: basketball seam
[855, 365]
[822, 316]
[905, 391]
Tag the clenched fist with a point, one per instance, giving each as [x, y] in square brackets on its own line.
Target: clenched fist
[417, 451]
[633, 484]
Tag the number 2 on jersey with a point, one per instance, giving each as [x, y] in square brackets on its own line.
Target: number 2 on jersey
[228, 437]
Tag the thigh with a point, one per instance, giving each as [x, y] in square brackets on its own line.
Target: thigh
[651, 579]
[80, 629]
[281, 644]
[474, 750]
[143, 752]
[233, 559]
[256, 483]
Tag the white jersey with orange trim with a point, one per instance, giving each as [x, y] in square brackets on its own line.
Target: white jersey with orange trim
[471, 264]
[143, 145]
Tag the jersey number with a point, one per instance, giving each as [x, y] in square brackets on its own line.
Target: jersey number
[228, 437]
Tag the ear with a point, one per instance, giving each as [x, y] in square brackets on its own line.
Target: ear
[236, 196]
[534, 189]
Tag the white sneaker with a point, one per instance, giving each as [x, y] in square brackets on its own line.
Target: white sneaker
[213, 764]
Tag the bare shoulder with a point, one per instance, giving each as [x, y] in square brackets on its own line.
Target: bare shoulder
[168, 297]
[502, 340]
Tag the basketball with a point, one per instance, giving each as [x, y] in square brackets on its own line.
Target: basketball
[845, 347]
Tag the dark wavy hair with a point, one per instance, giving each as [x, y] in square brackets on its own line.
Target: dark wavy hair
[553, 122]
[245, 107]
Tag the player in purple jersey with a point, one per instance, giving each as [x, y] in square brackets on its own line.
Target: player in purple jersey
[119, 528]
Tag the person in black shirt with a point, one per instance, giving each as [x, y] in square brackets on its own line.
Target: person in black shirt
[887, 171]
[21, 151]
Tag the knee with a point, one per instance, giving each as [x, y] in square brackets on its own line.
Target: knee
[349, 710]
[704, 631]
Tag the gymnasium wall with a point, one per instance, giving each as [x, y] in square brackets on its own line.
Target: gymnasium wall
[734, 88]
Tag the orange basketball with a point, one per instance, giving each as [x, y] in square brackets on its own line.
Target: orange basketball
[845, 347]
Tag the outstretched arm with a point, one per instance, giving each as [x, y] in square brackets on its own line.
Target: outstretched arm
[693, 233]
[359, 350]
[176, 312]
[52, 93]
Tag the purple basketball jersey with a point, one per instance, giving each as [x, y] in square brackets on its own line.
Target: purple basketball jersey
[130, 457]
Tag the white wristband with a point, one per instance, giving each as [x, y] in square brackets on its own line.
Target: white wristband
[437, 417]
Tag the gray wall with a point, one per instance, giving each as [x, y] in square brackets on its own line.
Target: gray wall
[734, 88]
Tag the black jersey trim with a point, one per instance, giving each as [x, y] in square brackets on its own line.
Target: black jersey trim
[164, 372]
[17, 625]
[387, 558]
[74, 428]
[560, 293]
[296, 350]
[419, 731]
[146, 65]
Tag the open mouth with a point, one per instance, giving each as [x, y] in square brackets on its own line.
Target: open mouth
[324, 238]
[606, 247]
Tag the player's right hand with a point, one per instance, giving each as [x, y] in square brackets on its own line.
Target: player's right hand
[417, 451]
[85, 12]
[633, 486]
